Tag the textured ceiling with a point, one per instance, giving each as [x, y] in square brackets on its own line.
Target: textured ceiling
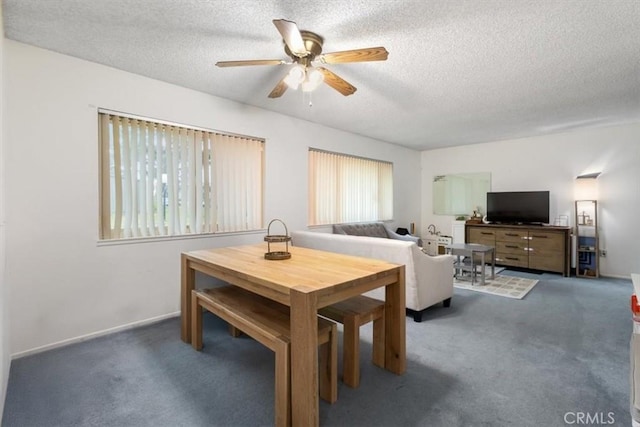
[459, 72]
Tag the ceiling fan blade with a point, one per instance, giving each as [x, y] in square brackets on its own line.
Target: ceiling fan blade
[291, 36]
[279, 90]
[250, 62]
[338, 83]
[356, 55]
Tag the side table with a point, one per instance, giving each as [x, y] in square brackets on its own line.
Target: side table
[470, 250]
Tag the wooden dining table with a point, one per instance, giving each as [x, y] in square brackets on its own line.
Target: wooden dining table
[309, 280]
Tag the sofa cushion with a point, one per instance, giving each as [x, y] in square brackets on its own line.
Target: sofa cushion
[371, 229]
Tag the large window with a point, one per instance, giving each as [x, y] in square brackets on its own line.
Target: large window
[345, 188]
[160, 179]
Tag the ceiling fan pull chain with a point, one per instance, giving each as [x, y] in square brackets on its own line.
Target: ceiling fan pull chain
[306, 98]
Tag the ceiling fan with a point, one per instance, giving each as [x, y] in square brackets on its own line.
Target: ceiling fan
[305, 47]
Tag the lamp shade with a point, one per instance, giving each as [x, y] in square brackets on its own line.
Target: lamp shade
[586, 187]
[306, 77]
[295, 76]
[313, 79]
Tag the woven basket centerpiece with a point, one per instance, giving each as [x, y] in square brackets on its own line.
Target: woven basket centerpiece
[277, 238]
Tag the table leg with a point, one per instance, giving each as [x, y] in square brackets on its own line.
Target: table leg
[187, 279]
[493, 263]
[395, 354]
[473, 269]
[482, 266]
[305, 409]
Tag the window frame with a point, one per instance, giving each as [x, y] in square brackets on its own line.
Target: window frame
[339, 214]
[104, 171]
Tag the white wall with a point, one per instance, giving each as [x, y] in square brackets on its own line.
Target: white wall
[62, 284]
[5, 359]
[551, 163]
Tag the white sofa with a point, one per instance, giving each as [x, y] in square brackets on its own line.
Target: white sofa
[428, 279]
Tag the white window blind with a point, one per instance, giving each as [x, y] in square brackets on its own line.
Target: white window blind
[164, 180]
[345, 188]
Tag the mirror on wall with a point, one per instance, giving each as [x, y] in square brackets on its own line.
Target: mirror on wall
[461, 193]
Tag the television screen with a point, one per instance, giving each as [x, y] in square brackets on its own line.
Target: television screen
[527, 207]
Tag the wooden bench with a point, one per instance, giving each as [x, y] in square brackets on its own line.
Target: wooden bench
[353, 313]
[268, 322]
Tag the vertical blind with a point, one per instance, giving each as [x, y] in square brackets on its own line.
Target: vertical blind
[345, 188]
[165, 180]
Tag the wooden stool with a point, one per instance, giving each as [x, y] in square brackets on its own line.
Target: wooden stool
[268, 322]
[353, 313]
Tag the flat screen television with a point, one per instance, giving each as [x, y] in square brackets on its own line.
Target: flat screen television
[518, 207]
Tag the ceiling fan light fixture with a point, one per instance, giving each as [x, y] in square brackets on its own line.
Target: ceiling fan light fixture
[313, 79]
[295, 76]
[304, 47]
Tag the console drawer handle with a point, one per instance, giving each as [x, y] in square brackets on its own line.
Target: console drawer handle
[511, 246]
[486, 233]
[511, 234]
[540, 237]
[512, 259]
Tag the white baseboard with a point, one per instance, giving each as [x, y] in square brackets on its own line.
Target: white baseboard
[93, 335]
[616, 276]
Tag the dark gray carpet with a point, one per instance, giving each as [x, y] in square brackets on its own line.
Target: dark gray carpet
[486, 361]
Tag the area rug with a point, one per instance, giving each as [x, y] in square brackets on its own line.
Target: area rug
[504, 286]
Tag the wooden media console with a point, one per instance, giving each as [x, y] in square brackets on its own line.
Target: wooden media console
[536, 247]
